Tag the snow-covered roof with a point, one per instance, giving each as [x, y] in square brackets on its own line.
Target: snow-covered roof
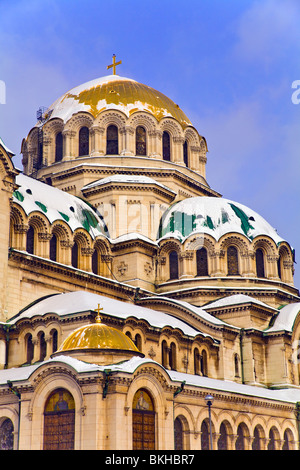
[33, 195]
[287, 395]
[238, 299]
[81, 301]
[118, 93]
[213, 216]
[286, 318]
[129, 179]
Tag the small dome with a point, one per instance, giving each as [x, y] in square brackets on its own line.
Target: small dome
[213, 216]
[115, 92]
[97, 336]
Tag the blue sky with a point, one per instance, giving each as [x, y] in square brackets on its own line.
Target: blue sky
[229, 64]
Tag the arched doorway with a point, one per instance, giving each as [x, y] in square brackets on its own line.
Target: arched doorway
[143, 421]
[59, 421]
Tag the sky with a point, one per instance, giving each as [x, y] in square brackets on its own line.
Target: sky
[232, 66]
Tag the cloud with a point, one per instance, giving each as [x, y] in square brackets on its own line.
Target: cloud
[267, 30]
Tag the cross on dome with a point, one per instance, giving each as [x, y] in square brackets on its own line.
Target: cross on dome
[114, 64]
[98, 319]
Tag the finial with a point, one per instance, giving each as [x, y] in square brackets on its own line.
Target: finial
[114, 64]
[98, 319]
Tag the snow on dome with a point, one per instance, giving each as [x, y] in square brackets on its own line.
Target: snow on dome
[213, 216]
[238, 299]
[33, 195]
[115, 92]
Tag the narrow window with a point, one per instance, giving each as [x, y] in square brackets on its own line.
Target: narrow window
[58, 147]
[240, 442]
[196, 362]
[30, 240]
[112, 145]
[141, 141]
[173, 264]
[54, 336]
[138, 342]
[95, 262]
[75, 255]
[53, 248]
[29, 349]
[203, 363]
[222, 441]
[6, 435]
[260, 268]
[201, 259]
[43, 346]
[84, 135]
[166, 146]
[178, 434]
[279, 267]
[164, 354]
[204, 436]
[185, 153]
[232, 261]
[236, 366]
[172, 356]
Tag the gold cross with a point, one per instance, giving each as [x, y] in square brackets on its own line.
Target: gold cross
[114, 64]
[98, 319]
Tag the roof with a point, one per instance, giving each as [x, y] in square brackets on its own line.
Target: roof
[286, 318]
[238, 299]
[35, 196]
[115, 92]
[213, 216]
[127, 179]
[287, 395]
[82, 301]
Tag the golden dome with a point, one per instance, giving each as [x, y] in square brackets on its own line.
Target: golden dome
[97, 336]
[115, 92]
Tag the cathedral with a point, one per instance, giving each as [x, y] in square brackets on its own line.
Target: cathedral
[139, 309]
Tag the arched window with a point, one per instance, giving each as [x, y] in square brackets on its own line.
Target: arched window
[6, 435]
[279, 267]
[58, 147]
[204, 436]
[185, 153]
[240, 441]
[286, 440]
[256, 440]
[201, 260]
[138, 342]
[53, 248]
[54, 337]
[59, 421]
[164, 354]
[112, 145]
[172, 356]
[236, 366]
[271, 444]
[166, 146]
[203, 363]
[84, 137]
[143, 421]
[173, 265]
[178, 434]
[232, 261]
[30, 240]
[95, 262]
[43, 346]
[75, 250]
[222, 441]
[29, 348]
[140, 141]
[260, 266]
[197, 366]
